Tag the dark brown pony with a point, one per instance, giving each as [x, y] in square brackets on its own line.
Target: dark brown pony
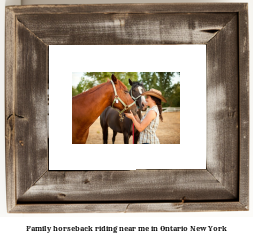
[88, 106]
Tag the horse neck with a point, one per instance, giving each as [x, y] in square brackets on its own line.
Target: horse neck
[93, 102]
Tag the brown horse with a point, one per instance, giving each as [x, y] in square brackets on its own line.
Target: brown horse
[88, 106]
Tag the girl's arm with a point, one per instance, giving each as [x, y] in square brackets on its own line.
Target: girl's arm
[137, 118]
[140, 126]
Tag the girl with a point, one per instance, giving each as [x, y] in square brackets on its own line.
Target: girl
[148, 124]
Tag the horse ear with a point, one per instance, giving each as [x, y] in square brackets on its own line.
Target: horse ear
[130, 82]
[108, 80]
[114, 79]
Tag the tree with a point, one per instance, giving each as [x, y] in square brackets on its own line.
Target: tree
[174, 100]
[160, 81]
[157, 80]
[74, 91]
[91, 79]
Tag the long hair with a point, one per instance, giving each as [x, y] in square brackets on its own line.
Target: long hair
[159, 105]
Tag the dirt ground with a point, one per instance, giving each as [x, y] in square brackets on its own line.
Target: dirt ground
[168, 131]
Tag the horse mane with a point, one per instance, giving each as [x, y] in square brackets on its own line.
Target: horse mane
[91, 90]
[135, 84]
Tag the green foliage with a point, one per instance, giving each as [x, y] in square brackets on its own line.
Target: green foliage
[91, 79]
[174, 99]
[74, 91]
[162, 82]
[157, 80]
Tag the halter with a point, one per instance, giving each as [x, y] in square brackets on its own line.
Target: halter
[116, 98]
[135, 99]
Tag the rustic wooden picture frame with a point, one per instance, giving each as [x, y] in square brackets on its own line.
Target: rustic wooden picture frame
[223, 186]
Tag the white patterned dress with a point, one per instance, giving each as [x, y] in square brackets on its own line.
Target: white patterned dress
[148, 135]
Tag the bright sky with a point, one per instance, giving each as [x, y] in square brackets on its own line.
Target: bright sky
[76, 77]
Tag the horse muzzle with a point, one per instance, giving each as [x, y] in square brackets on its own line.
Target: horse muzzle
[133, 109]
[143, 107]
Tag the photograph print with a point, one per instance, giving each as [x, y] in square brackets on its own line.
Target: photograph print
[125, 107]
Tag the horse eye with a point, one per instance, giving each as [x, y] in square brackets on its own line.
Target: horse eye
[126, 91]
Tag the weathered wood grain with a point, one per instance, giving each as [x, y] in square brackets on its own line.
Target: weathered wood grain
[132, 29]
[244, 106]
[186, 207]
[140, 185]
[129, 207]
[222, 107]
[70, 208]
[10, 64]
[223, 186]
[154, 8]
[30, 109]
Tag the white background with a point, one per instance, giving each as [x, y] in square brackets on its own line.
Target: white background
[239, 223]
[189, 154]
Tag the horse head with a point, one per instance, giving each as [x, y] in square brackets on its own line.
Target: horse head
[136, 91]
[124, 95]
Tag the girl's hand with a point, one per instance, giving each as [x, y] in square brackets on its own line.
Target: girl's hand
[129, 115]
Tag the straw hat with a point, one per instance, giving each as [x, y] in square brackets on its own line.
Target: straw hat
[155, 93]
